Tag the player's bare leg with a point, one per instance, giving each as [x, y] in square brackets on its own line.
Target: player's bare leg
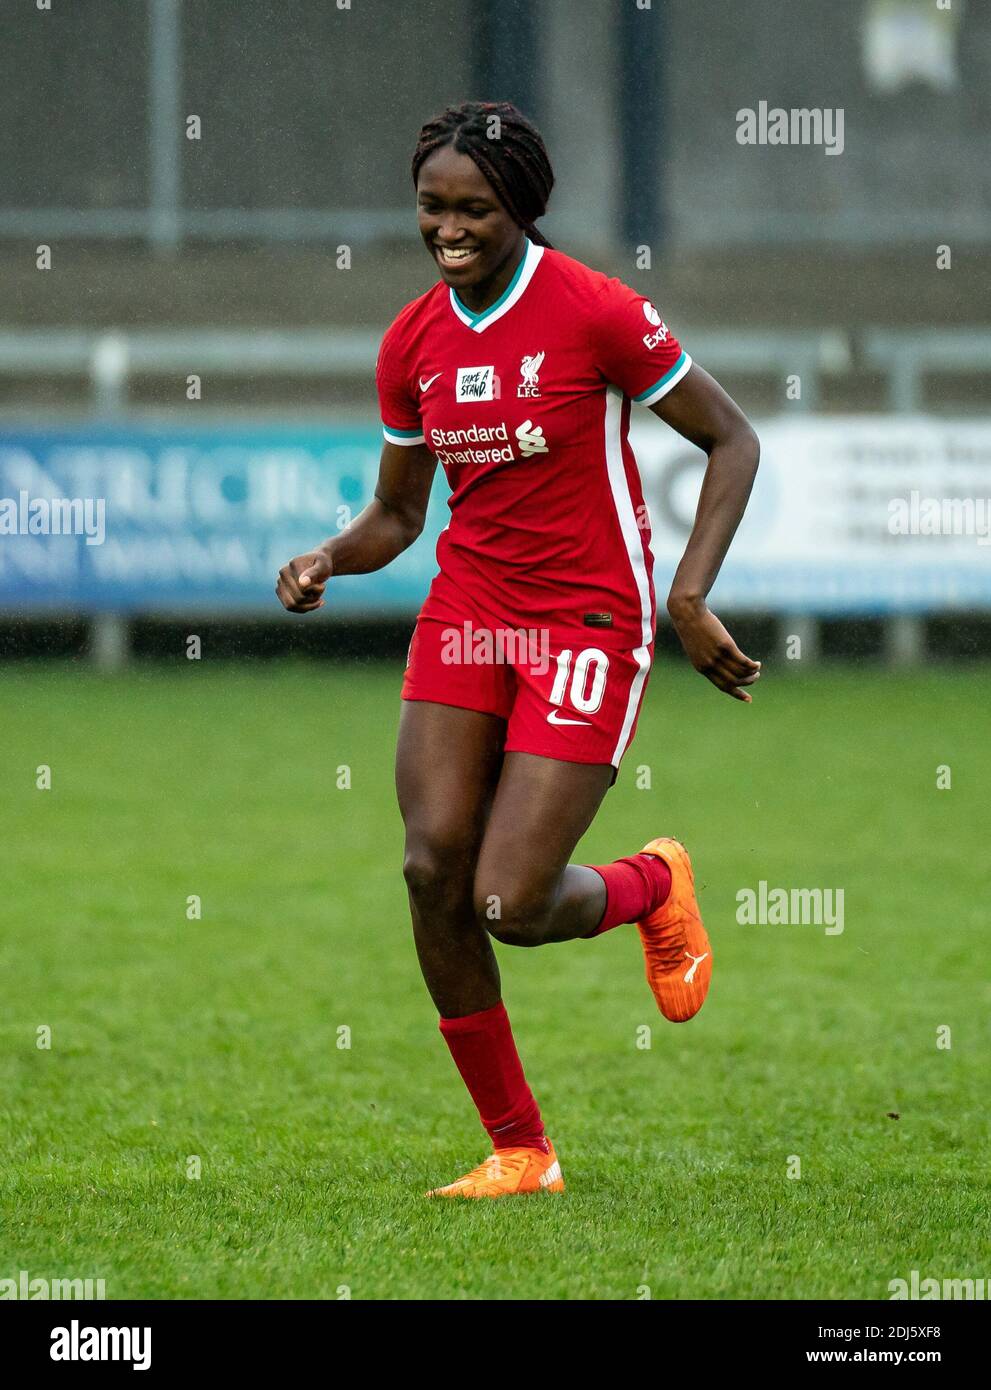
[528, 894]
[447, 769]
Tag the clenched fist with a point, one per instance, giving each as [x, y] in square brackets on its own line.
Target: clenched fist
[301, 583]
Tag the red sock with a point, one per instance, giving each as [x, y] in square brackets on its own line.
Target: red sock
[485, 1054]
[635, 887]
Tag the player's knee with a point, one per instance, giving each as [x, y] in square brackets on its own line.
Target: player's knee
[437, 870]
[515, 919]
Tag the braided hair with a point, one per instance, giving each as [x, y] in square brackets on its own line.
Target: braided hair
[515, 163]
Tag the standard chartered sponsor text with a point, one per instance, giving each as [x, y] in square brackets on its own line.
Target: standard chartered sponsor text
[497, 435]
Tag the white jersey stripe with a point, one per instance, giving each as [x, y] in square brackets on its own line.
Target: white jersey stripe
[623, 502]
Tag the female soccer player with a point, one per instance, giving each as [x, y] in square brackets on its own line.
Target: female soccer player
[530, 656]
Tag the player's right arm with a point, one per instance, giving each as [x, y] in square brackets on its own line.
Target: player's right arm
[388, 525]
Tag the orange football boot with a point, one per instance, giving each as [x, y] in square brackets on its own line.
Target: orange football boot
[508, 1173]
[675, 946]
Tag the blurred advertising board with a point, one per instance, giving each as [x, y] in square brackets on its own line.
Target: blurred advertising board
[856, 514]
[849, 515]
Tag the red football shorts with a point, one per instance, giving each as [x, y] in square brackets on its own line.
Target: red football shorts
[563, 691]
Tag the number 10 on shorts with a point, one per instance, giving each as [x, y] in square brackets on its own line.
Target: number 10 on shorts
[588, 679]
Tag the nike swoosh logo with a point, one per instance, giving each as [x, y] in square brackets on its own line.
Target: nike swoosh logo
[555, 718]
[426, 385]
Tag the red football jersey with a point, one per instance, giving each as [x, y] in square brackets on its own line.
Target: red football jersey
[527, 405]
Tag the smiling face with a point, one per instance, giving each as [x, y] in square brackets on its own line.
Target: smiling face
[467, 231]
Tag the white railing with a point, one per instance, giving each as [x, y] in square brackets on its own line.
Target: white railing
[110, 358]
[909, 356]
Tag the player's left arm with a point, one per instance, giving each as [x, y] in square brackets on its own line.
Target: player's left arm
[700, 410]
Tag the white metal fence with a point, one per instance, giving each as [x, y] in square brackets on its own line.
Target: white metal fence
[109, 359]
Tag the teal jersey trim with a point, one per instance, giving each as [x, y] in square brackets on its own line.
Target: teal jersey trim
[665, 378]
[480, 318]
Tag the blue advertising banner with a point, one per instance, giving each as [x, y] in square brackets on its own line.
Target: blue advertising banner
[854, 514]
[130, 519]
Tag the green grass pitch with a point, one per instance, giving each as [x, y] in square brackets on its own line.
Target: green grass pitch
[174, 1039]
